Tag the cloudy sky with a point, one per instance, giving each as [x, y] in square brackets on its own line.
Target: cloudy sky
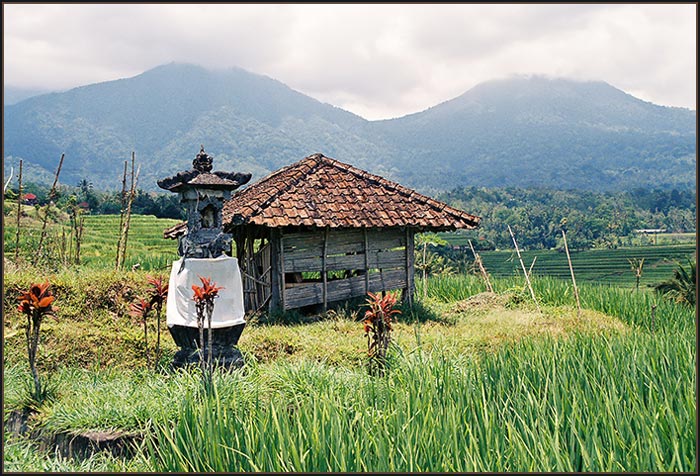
[377, 61]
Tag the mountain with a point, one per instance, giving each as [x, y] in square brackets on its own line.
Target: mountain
[246, 121]
[537, 131]
[13, 95]
[520, 131]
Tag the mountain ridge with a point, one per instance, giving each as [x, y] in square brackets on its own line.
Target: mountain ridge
[528, 131]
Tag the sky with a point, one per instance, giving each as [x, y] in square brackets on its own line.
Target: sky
[378, 61]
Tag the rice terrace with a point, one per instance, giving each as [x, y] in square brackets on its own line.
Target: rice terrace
[502, 282]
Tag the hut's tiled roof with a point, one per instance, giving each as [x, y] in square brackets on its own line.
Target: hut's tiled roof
[318, 191]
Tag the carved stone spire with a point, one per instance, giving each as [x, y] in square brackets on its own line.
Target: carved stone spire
[203, 162]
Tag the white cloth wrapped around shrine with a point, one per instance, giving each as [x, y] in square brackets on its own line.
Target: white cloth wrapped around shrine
[228, 306]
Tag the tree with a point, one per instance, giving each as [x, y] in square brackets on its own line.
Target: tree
[682, 286]
[637, 266]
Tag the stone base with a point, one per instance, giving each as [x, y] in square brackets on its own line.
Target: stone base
[224, 340]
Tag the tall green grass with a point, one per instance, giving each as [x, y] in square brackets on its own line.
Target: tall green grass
[618, 403]
[632, 307]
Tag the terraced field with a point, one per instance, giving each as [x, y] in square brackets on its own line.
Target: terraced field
[146, 245]
[598, 266]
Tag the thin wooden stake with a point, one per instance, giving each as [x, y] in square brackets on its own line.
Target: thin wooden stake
[12, 172]
[653, 317]
[527, 278]
[484, 274]
[573, 278]
[532, 265]
[127, 218]
[46, 213]
[19, 212]
[122, 210]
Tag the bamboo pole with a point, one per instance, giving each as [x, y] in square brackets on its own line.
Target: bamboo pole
[19, 212]
[12, 173]
[532, 265]
[484, 274]
[127, 218]
[46, 213]
[527, 278]
[122, 202]
[573, 278]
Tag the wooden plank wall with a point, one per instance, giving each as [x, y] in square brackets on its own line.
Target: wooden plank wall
[381, 251]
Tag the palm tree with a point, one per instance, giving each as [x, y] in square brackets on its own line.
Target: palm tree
[682, 286]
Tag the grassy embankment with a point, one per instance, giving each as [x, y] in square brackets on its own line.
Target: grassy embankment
[477, 384]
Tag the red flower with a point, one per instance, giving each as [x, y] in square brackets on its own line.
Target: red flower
[160, 290]
[208, 291]
[140, 308]
[37, 298]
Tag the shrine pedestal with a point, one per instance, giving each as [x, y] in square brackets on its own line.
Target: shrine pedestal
[224, 351]
[227, 318]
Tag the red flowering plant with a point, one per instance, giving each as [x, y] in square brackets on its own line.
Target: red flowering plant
[204, 296]
[35, 304]
[140, 309]
[159, 296]
[377, 324]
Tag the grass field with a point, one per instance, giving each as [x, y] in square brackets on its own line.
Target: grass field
[477, 381]
[146, 245]
[598, 266]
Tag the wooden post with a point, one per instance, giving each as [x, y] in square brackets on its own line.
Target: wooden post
[484, 274]
[653, 317]
[276, 276]
[571, 268]
[366, 239]
[127, 217]
[19, 212]
[527, 278]
[251, 285]
[324, 271]
[122, 210]
[283, 279]
[409, 266]
[46, 214]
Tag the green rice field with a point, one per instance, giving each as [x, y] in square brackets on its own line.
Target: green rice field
[598, 266]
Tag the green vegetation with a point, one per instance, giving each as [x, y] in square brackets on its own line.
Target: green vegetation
[475, 382]
[146, 245]
[523, 132]
[597, 266]
[592, 220]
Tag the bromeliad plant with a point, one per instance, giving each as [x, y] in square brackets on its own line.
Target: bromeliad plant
[36, 304]
[140, 309]
[377, 323]
[204, 296]
[159, 295]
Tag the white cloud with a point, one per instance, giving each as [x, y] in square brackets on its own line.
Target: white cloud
[376, 60]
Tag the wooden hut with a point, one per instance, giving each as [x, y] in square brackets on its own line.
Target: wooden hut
[320, 231]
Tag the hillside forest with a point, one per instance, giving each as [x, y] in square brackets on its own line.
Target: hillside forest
[592, 219]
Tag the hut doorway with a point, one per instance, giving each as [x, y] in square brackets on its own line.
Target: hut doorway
[254, 261]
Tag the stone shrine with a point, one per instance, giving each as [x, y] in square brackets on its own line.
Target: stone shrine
[204, 244]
